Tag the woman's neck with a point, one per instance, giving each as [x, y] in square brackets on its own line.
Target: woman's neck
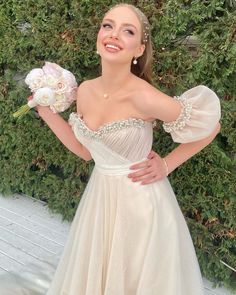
[115, 75]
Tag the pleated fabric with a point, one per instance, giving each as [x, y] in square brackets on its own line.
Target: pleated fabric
[128, 239]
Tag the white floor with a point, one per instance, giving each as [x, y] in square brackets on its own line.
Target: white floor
[30, 233]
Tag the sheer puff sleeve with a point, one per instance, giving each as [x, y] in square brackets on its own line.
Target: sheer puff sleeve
[199, 116]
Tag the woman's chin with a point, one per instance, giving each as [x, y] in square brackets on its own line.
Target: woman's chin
[114, 58]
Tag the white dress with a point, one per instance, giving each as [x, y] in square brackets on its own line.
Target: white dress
[127, 238]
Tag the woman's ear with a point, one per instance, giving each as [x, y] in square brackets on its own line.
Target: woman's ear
[141, 50]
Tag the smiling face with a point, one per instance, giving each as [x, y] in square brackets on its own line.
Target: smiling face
[120, 35]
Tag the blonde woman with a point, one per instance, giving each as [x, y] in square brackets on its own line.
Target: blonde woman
[129, 236]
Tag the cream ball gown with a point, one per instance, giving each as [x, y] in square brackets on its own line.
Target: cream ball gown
[127, 238]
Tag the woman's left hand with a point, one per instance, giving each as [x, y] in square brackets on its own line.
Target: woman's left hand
[150, 171]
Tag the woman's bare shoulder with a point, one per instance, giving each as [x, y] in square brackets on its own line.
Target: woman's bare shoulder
[86, 84]
[152, 102]
[145, 92]
[84, 91]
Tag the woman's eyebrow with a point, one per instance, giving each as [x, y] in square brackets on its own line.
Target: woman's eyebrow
[124, 24]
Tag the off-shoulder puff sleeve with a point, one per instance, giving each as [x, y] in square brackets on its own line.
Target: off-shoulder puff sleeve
[199, 116]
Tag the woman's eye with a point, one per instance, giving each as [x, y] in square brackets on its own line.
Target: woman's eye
[130, 32]
[106, 25]
[110, 26]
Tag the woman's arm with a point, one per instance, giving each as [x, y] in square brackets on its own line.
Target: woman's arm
[194, 123]
[185, 151]
[64, 132]
[154, 168]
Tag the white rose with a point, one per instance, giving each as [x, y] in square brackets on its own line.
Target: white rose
[44, 96]
[61, 87]
[51, 80]
[61, 103]
[69, 78]
[66, 83]
[35, 79]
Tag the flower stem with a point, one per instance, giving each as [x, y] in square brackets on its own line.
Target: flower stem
[22, 111]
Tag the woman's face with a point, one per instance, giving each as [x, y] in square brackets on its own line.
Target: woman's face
[119, 38]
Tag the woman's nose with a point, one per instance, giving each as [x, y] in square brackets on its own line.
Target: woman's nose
[115, 34]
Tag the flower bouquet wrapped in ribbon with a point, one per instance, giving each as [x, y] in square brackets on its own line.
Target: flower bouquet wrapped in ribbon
[51, 86]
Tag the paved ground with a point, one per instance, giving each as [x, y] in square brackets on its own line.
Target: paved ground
[30, 233]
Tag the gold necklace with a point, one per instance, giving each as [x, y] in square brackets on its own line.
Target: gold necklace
[107, 95]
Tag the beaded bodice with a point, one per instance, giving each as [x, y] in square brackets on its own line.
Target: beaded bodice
[107, 127]
[129, 139]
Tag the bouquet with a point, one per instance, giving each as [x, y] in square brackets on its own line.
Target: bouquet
[51, 86]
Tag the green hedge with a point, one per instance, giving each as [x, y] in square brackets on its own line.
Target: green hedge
[35, 163]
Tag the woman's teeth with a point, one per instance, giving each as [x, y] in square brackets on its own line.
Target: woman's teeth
[112, 46]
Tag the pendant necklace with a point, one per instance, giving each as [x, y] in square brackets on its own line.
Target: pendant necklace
[107, 95]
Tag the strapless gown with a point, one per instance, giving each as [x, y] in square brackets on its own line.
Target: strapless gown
[127, 238]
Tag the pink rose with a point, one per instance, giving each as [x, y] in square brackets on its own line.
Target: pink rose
[52, 69]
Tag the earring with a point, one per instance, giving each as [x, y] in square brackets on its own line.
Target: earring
[97, 52]
[135, 61]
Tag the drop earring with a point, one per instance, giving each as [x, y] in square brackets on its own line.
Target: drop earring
[97, 52]
[135, 61]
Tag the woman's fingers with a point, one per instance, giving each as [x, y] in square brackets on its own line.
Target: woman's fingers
[145, 177]
[143, 164]
[150, 175]
[36, 107]
[150, 170]
[151, 154]
[141, 172]
[30, 97]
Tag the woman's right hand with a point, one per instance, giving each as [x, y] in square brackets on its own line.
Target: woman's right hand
[36, 107]
[40, 111]
[30, 97]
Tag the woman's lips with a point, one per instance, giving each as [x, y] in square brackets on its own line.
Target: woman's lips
[111, 50]
[112, 47]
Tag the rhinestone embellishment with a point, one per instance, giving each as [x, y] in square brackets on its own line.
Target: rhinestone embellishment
[105, 128]
[183, 118]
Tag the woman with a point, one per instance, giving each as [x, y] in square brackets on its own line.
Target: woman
[129, 236]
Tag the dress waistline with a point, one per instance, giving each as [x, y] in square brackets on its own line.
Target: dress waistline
[123, 169]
